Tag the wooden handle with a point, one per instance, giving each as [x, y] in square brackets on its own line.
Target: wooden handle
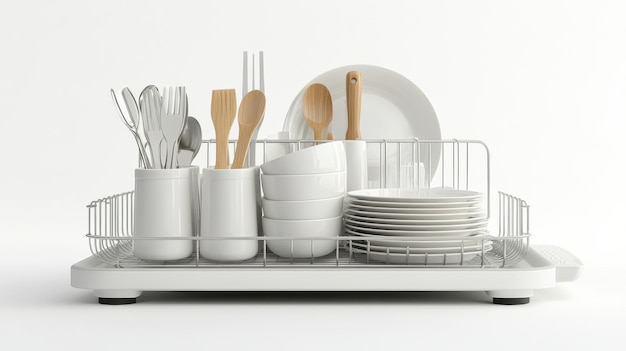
[354, 91]
[221, 151]
[243, 143]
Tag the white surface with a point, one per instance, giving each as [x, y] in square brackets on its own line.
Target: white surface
[541, 82]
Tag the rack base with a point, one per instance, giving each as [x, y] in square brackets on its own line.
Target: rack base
[543, 267]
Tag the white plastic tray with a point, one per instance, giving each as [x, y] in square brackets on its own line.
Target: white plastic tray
[542, 268]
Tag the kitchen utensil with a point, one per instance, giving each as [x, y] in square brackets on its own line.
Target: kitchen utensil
[303, 186]
[223, 111]
[164, 208]
[173, 119]
[406, 110]
[190, 142]
[323, 158]
[132, 120]
[295, 233]
[229, 210]
[356, 164]
[354, 91]
[251, 111]
[261, 80]
[317, 108]
[150, 104]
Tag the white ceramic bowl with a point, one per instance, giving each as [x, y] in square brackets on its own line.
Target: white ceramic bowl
[305, 209]
[294, 229]
[298, 187]
[323, 158]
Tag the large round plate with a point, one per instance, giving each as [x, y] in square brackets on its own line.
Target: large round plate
[421, 259]
[417, 225]
[413, 205]
[415, 210]
[418, 242]
[411, 195]
[417, 216]
[421, 233]
[422, 250]
[392, 107]
[482, 220]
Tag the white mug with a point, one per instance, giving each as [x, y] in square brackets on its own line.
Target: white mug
[229, 210]
[164, 207]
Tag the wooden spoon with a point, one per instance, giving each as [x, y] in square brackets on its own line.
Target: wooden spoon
[223, 111]
[251, 111]
[317, 108]
[354, 91]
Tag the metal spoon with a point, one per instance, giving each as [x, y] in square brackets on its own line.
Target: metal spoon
[132, 120]
[190, 142]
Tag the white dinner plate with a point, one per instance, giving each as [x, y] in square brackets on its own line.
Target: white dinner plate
[416, 227]
[410, 195]
[417, 216]
[421, 259]
[421, 250]
[483, 220]
[422, 233]
[412, 205]
[419, 242]
[420, 228]
[392, 107]
[415, 210]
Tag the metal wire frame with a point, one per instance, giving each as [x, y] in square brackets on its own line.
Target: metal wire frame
[111, 218]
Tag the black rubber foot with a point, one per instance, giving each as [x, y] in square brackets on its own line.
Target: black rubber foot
[117, 300]
[511, 301]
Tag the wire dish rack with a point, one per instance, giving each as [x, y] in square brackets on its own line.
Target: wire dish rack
[456, 164]
[111, 219]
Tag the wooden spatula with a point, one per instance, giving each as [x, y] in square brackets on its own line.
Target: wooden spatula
[251, 111]
[317, 108]
[223, 111]
[354, 91]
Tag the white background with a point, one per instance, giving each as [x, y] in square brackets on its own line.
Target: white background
[542, 82]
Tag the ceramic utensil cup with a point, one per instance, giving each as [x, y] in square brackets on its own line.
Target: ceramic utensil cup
[356, 164]
[229, 210]
[164, 207]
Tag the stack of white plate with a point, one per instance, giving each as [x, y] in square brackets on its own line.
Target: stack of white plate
[437, 226]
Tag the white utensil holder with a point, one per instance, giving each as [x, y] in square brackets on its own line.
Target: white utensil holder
[230, 199]
[166, 210]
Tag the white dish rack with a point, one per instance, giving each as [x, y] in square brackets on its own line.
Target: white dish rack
[505, 265]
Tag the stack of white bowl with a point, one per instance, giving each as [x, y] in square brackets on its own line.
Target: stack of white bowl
[303, 196]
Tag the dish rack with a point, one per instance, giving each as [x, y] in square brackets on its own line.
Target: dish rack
[505, 265]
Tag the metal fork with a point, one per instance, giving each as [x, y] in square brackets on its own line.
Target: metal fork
[173, 119]
[245, 90]
[150, 106]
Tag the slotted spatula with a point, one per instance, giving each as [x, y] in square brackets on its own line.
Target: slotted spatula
[223, 111]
